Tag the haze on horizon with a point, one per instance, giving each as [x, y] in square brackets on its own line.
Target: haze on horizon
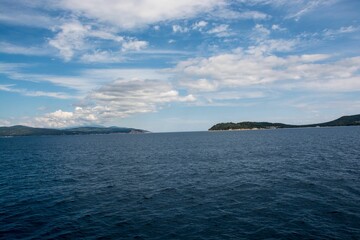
[177, 65]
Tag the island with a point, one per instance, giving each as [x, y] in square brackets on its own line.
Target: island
[353, 120]
[20, 130]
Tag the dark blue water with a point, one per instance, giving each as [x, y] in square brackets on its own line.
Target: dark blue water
[272, 184]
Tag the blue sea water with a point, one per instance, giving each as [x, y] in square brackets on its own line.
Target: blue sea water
[268, 184]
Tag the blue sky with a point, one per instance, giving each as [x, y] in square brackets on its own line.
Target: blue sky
[177, 65]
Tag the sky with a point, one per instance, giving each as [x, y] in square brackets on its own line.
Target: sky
[169, 65]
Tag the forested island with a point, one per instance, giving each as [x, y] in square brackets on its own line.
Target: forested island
[20, 130]
[353, 120]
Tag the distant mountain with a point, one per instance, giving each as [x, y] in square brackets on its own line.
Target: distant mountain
[353, 120]
[102, 130]
[20, 130]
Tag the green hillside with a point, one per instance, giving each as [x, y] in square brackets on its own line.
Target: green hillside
[353, 120]
[19, 130]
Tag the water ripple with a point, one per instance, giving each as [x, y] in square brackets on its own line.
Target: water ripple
[283, 184]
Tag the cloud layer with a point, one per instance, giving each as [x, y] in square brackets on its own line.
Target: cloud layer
[253, 67]
[118, 99]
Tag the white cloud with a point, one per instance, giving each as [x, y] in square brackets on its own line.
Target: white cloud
[75, 39]
[118, 99]
[199, 25]
[25, 17]
[30, 93]
[130, 96]
[4, 122]
[348, 29]
[83, 81]
[226, 13]
[122, 14]
[295, 9]
[102, 57]
[106, 34]
[10, 48]
[308, 58]
[342, 30]
[134, 14]
[134, 45]
[246, 68]
[260, 33]
[231, 95]
[309, 6]
[221, 30]
[277, 27]
[240, 74]
[228, 97]
[71, 38]
[59, 119]
[201, 84]
[264, 44]
[251, 15]
[111, 74]
[272, 45]
[179, 29]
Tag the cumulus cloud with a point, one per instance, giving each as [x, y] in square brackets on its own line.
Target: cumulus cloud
[272, 45]
[75, 38]
[199, 25]
[70, 38]
[134, 45]
[260, 33]
[62, 119]
[134, 14]
[179, 29]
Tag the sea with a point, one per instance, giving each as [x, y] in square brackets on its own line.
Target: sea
[264, 184]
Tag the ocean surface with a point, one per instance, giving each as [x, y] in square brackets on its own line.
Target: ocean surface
[266, 184]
